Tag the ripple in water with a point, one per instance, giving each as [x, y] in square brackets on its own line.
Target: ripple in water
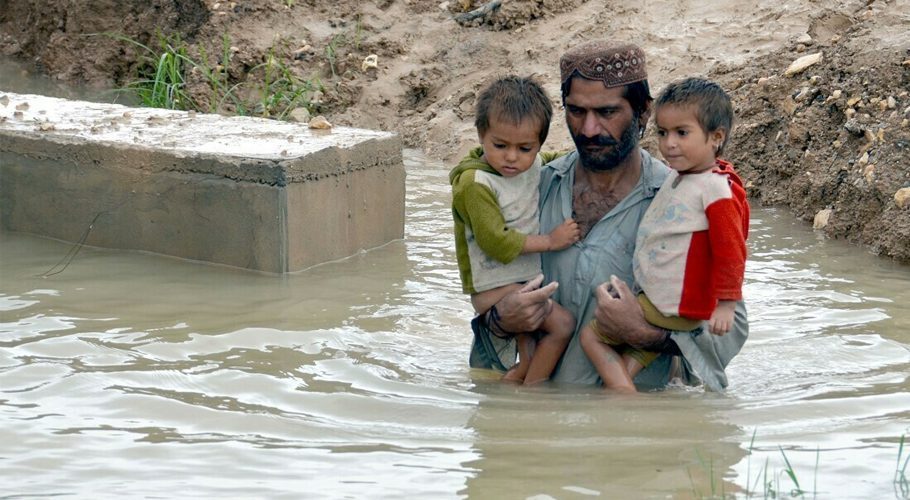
[138, 375]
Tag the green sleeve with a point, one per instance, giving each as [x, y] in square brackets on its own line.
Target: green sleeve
[478, 208]
[548, 156]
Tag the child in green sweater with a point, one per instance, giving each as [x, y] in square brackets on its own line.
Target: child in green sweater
[495, 207]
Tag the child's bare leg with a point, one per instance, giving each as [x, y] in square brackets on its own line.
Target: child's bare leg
[607, 362]
[558, 326]
[483, 301]
[519, 371]
[632, 365]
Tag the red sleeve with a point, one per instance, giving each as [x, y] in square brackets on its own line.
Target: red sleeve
[728, 227]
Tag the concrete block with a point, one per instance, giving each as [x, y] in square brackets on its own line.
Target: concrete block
[245, 192]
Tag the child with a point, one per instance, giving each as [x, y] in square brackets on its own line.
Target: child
[690, 252]
[494, 204]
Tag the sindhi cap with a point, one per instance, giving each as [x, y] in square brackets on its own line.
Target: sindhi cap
[615, 65]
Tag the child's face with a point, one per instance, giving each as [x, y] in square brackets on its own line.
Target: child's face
[682, 141]
[509, 148]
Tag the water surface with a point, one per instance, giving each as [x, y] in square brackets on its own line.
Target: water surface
[138, 375]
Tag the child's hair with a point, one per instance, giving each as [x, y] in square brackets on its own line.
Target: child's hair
[713, 108]
[513, 99]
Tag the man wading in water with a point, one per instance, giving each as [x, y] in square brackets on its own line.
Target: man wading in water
[606, 185]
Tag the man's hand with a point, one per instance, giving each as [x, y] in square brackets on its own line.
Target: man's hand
[524, 310]
[619, 315]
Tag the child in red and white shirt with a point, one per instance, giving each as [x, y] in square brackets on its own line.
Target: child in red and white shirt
[690, 252]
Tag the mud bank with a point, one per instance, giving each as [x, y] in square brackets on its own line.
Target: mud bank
[830, 141]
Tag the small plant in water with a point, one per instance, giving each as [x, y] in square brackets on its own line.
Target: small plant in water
[712, 481]
[901, 483]
[770, 478]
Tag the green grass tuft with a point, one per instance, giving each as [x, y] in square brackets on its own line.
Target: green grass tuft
[269, 89]
[161, 79]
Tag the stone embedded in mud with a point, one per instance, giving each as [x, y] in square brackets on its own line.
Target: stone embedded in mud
[370, 61]
[800, 65]
[869, 173]
[804, 94]
[299, 115]
[902, 197]
[854, 127]
[320, 123]
[821, 219]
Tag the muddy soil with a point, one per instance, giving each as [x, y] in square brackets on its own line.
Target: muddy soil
[831, 141]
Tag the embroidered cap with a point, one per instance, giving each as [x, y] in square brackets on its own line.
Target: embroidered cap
[613, 64]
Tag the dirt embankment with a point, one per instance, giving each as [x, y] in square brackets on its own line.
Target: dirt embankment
[831, 142]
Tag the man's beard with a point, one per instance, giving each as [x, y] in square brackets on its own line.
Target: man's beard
[604, 160]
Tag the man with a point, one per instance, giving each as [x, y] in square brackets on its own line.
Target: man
[606, 185]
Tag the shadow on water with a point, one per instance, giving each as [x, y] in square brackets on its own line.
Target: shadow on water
[136, 374]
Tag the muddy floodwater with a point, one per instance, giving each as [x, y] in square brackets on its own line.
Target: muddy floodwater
[141, 376]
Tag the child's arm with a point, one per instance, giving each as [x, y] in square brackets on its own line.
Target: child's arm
[727, 232]
[722, 318]
[562, 237]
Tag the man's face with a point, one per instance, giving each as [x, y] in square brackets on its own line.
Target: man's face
[602, 124]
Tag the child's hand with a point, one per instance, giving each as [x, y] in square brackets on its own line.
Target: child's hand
[564, 235]
[722, 319]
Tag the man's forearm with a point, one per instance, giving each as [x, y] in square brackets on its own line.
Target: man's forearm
[649, 337]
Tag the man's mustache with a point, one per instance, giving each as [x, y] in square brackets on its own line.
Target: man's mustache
[598, 140]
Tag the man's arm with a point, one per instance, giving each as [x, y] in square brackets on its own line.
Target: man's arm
[620, 316]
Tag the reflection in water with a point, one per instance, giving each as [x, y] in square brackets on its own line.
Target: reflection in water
[140, 375]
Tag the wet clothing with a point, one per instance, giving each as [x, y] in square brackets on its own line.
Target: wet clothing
[691, 246]
[657, 318]
[493, 216]
[607, 250]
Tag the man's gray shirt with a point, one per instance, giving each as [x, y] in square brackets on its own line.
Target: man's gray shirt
[607, 250]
